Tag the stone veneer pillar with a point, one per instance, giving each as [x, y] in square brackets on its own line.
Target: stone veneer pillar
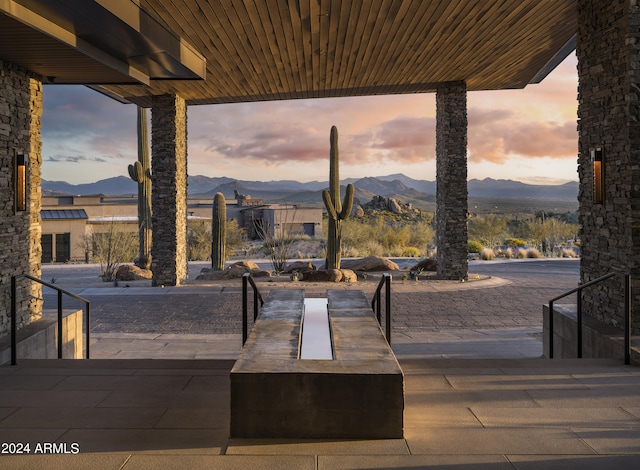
[20, 232]
[169, 189]
[608, 52]
[451, 181]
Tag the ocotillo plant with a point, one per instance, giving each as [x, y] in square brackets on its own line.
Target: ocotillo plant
[218, 230]
[140, 172]
[336, 210]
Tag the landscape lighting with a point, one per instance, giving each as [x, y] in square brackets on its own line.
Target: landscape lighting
[598, 175]
[21, 183]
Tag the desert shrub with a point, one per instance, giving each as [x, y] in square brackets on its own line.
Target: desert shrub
[515, 242]
[373, 248]
[350, 252]
[533, 253]
[198, 240]
[522, 253]
[421, 234]
[411, 252]
[487, 254]
[474, 246]
[509, 253]
[395, 251]
[568, 253]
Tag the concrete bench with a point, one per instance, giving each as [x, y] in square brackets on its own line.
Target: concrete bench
[357, 395]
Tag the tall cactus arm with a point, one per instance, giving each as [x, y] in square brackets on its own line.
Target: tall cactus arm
[136, 172]
[331, 210]
[348, 202]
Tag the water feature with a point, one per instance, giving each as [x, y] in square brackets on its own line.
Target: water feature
[315, 341]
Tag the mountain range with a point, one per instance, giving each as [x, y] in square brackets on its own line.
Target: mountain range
[417, 192]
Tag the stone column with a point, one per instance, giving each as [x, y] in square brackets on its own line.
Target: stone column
[20, 231]
[451, 181]
[609, 102]
[169, 190]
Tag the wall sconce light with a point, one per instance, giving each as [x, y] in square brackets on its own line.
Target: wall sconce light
[598, 175]
[21, 182]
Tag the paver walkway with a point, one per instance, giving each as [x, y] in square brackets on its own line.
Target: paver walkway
[484, 318]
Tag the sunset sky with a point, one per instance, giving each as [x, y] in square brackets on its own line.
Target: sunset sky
[527, 135]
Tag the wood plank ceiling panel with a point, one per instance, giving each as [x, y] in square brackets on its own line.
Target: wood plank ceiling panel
[278, 49]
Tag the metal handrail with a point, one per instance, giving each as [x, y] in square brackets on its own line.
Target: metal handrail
[14, 335]
[247, 279]
[627, 315]
[376, 302]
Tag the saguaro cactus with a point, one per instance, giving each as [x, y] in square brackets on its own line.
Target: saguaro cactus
[336, 210]
[218, 229]
[140, 172]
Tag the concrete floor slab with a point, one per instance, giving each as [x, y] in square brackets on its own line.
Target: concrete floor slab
[573, 462]
[589, 398]
[195, 418]
[154, 441]
[124, 383]
[488, 441]
[102, 461]
[508, 382]
[316, 447]
[227, 462]
[456, 398]
[417, 418]
[612, 440]
[555, 417]
[69, 417]
[433, 462]
[52, 398]
[163, 398]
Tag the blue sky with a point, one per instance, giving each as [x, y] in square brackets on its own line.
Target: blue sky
[528, 135]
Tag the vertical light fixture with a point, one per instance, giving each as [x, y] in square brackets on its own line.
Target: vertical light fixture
[21, 182]
[598, 175]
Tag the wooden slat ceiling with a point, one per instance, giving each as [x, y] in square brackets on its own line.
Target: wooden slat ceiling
[259, 50]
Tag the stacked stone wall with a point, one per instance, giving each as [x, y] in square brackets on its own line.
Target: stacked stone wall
[20, 245]
[451, 181]
[609, 101]
[169, 190]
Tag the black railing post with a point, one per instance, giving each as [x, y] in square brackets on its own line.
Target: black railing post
[88, 330]
[257, 297]
[14, 341]
[255, 304]
[579, 321]
[551, 329]
[627, 319]
[245, 325]
[387, 306]
[59, 324]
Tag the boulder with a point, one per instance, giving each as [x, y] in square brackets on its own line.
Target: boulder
[300, 266]
[428, 264]
[370, 263]
[357, 211]
[249, 265]
[394, 206]
[348, 275]
[322, 275]
[235, 271]
[129, 272]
